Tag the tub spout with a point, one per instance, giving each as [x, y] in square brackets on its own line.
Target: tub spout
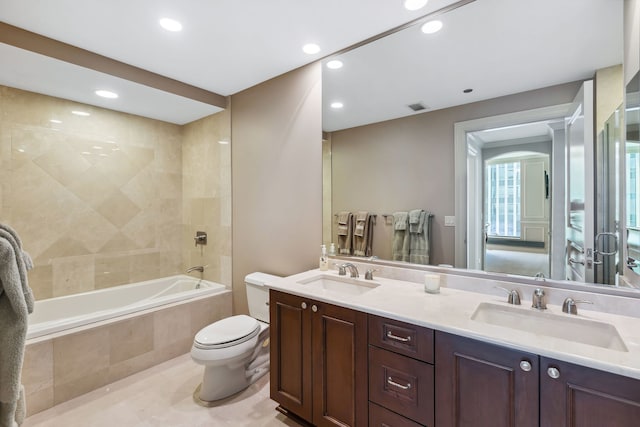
[199, 268]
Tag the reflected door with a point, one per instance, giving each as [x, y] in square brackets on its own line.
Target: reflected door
[580, 187]
[606, 246]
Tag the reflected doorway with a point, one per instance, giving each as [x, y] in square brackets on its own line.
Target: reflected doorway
[510, 189]
[517, 213]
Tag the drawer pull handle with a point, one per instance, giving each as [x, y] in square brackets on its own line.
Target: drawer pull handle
[397, 338]
[390, 381]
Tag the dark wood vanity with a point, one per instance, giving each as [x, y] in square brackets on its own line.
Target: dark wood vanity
[334, 366]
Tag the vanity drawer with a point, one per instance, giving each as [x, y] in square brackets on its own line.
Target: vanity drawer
[402, 384]
[381, 417]
[400, 337]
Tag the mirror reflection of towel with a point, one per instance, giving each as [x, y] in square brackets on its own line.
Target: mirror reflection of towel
[345, 233]
[363, 234]
[400, 245]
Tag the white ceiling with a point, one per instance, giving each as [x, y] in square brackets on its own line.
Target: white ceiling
[494, 46]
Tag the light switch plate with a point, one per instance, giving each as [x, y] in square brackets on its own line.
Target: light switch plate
[449, 221]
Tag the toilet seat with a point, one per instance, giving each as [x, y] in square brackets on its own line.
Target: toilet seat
[227, 332]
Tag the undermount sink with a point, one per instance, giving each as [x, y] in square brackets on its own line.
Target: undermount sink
[564, 327]
[343, 285]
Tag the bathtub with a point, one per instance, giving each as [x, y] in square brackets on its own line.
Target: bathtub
[66, 312]
[79, 343]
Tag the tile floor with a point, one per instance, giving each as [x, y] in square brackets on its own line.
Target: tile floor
[162, 396]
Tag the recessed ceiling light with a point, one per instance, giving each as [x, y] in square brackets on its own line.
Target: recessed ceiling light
[414, 4]
[55, 121]
[337, 105]
[432, 27]
[106, 94]
[334, 64]
[80, 113]
[223, 142]
[311, 48]
[170, 24]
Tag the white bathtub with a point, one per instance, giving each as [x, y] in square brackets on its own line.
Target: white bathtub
[61, 313]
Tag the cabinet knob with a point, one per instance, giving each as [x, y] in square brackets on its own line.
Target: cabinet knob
[525, 365]
[553, 373]
[303, 305]
[314, 308]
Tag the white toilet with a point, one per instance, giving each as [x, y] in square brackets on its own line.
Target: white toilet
[235, 350]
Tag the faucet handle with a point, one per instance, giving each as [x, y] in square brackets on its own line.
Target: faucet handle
[368, 275]
[537, 301]
[514, 295]
[342, 268]
[569, 305]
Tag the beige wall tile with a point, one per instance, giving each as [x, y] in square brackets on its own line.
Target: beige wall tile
[130, 366]
[130, 338]
[90, 188]
[37, 376]
[171, 326]
[72, 275]
[81, 363]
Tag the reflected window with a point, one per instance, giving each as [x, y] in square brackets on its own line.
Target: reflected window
[633, 185]
[503, 199]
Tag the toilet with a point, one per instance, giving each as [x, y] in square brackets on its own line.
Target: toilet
[235, 350]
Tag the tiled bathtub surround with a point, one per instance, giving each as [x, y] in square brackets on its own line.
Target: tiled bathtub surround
[66, 365]
[206, 195]
[98, 200]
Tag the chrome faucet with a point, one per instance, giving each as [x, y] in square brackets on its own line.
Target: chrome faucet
[353, 270]
[569, 305]
[199, 268]
[537, 301]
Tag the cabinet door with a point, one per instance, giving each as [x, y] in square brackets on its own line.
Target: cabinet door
[290, 350]
[575, 396]
[479, 384]
[339, 366]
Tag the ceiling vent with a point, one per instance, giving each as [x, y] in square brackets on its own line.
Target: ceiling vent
[418, 106]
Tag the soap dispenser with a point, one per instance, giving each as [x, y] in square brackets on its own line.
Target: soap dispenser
[324, 261]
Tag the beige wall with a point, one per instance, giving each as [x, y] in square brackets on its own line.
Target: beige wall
[631, 39]
[99, 200]
[206, 190]
[277, 177]
[407, 164]
[96, 200]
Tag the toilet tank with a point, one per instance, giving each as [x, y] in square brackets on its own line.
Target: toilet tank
[258, 295]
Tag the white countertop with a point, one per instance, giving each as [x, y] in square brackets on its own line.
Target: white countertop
[451, 311]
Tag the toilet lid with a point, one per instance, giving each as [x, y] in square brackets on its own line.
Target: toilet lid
[229, 331]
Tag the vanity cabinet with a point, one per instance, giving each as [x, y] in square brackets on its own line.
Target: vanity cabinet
[318, 360]
[480, 384]
[401, 374]
[575, 396]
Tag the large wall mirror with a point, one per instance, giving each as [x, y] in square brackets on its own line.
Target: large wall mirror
[631, 178]
[484, 124]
